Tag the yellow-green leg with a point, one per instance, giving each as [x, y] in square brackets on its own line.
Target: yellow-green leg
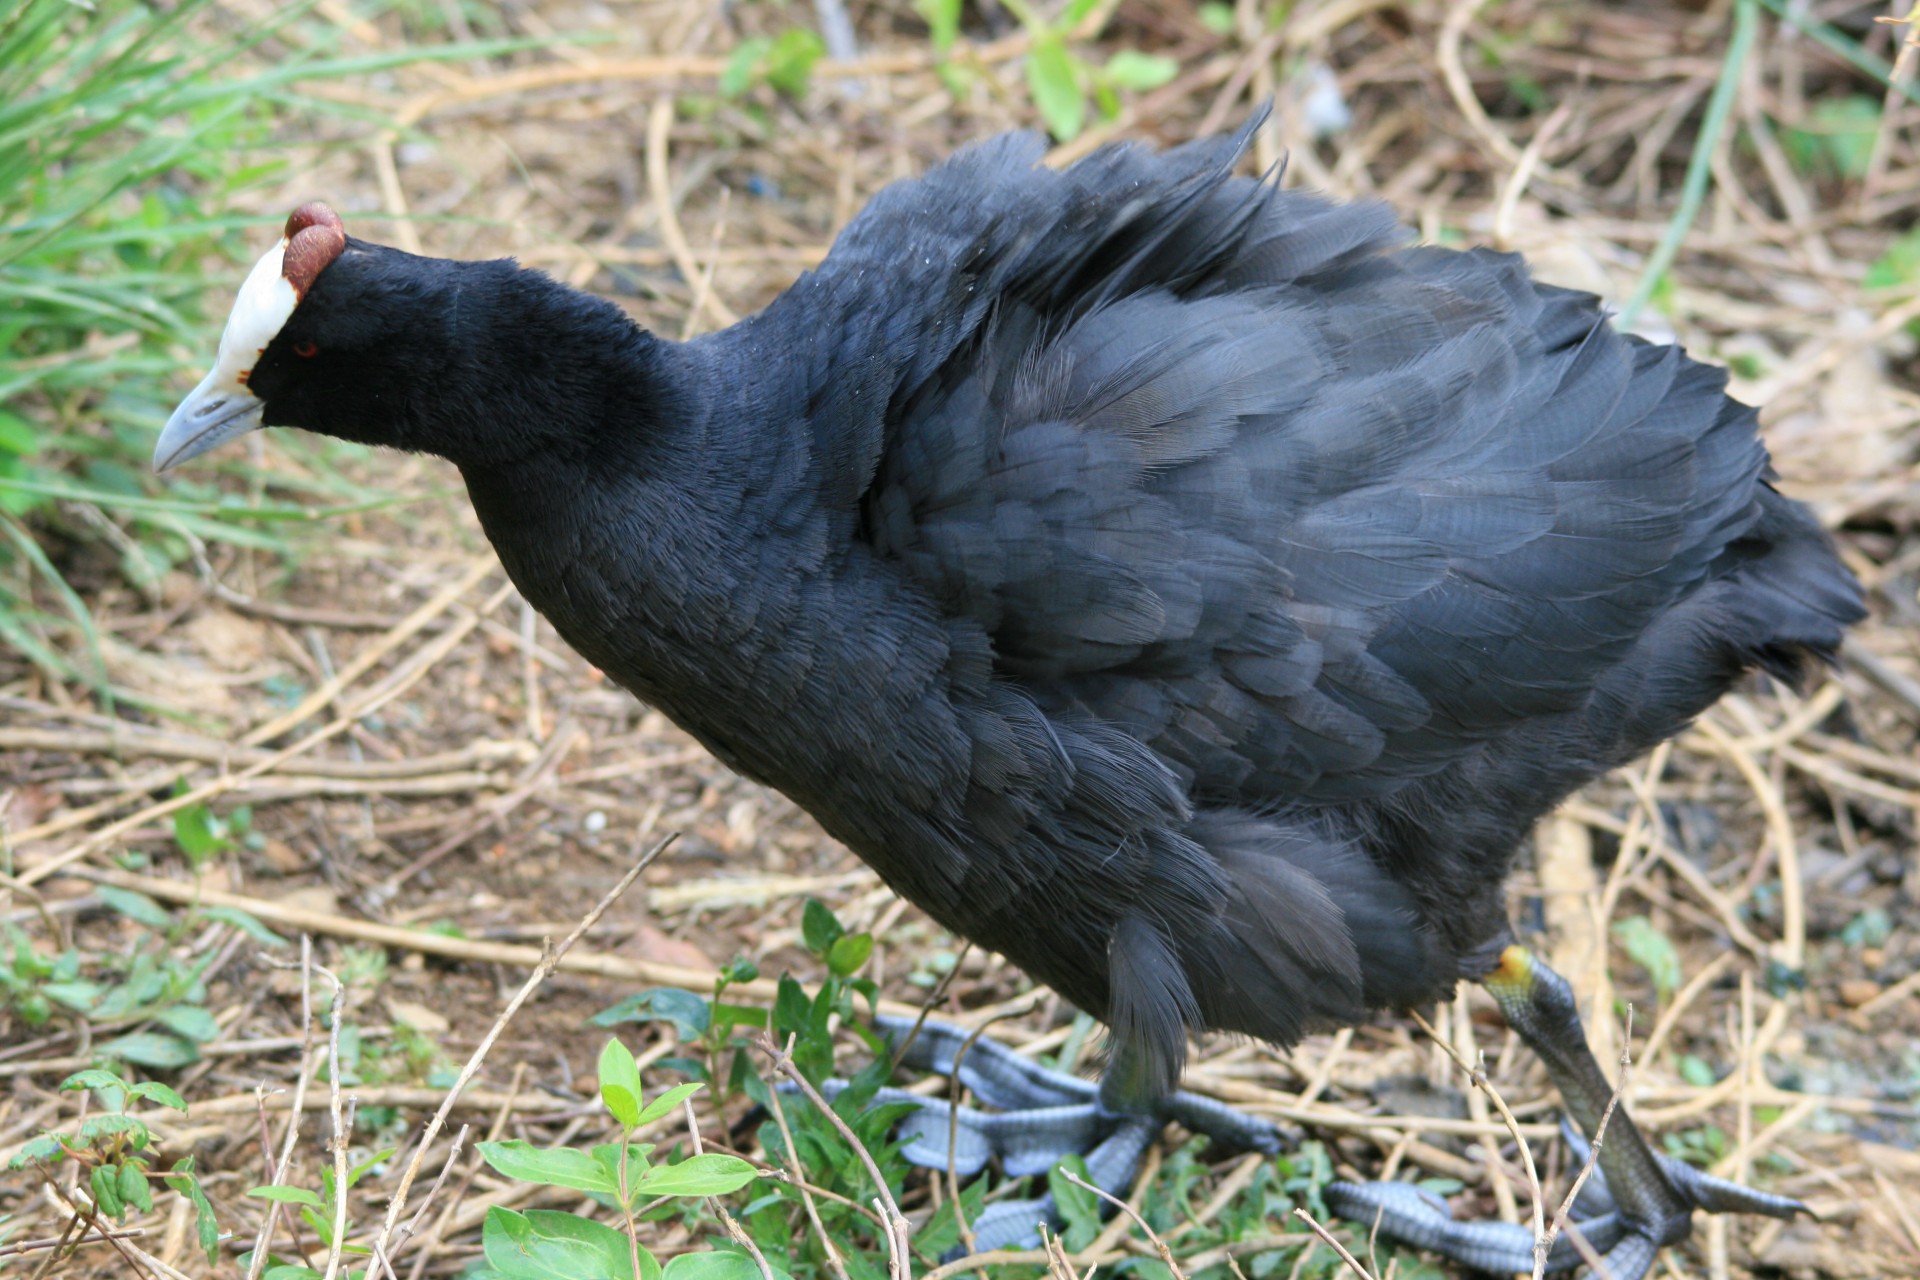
[1638, 1200]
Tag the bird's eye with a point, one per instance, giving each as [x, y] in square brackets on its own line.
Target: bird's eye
[305, 348]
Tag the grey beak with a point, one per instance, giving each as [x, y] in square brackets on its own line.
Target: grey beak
[210, 416]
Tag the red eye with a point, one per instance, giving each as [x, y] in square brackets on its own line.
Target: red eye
[304, 348]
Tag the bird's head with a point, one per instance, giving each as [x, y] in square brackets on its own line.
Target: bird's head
[474, 361]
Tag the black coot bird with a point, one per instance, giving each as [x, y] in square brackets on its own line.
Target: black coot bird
[1176, 584]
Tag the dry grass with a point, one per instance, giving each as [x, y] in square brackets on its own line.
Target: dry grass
[452, 763]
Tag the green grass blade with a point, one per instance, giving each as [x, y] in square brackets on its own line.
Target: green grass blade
[1693, 190]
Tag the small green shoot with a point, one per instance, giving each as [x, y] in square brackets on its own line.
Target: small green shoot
[1652, 950]
[1059, 78]
[320, 1212]
[541, 1244]
[783, 63]
[115, 1148]
[1836, 137]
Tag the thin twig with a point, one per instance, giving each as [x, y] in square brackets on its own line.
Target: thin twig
[549, 961]
[277, 1169]
[381, 1254]
[342, 1128]
[727, 1219]
[798, 1175]
[899, 1259]
[1479, 1077]
[1313, 1224]
[1159, 1245]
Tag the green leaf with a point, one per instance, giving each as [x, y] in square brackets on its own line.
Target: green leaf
[92, 1078]
[819, 927]
[1696, 1071]
[1871, 928]
[1652, 950]
[1899, 265]
[943, 22]
[744, 65]
[137, 907]
[96, 1131]
[608, 1243]
[199, 834]
[364, 1167]
[245, 923]
[134, 1190]
[1218, 18]
[666, 1102]
[792, 1010]
[1836, 135]
[542, 1244]
[1106, 101]
[942, 1230]
[154, 1091]
[848, 953]
[620, 1082]
[727, 1015]
[1131, 69]
[17, 436]
[553, 1167]
[1077, 12]
[150, 1049]
[80, 996]
[1053, 79]
[686, 1011]
[1078, 1207]
[47, 1147]
[790, 61]
[190, 1021]
[708, 1175]
[607, 1156]
[718, 1264]
[105, 1183]
[184, 1182]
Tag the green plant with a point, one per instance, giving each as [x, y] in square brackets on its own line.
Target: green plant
[783, 62]
[125, 137]
[1060, 79]
[115, 1148]
[540, 1244]
[156, 996]
[726, 1043]
[322, 1213]
[1702, 1147]
[200, 834]
[1836, 137]
[1652, 950]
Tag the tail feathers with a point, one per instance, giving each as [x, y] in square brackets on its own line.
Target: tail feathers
[1774, 598]
[1793, 598]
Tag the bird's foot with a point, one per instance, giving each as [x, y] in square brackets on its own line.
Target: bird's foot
[1040, 1117]
[1625, 1230]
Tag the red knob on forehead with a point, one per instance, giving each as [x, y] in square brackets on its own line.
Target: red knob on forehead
[314, 213]
[315, 238]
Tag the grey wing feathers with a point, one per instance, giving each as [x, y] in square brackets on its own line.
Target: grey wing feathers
[1176, 425]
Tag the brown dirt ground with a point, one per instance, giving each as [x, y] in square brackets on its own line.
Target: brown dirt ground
[545, 781]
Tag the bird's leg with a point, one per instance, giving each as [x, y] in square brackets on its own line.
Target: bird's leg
[1637, 1201]
[1040, 1116]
